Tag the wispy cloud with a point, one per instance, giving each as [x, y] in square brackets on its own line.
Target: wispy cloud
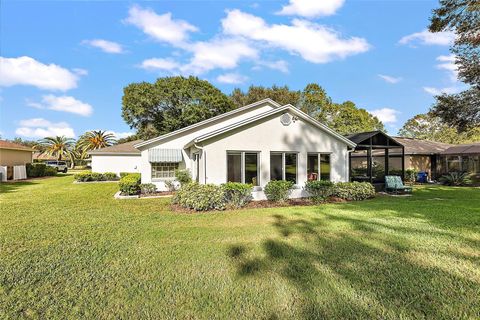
[426, 37]
[105, 45]
[232, 78]
[311, 8]
[63, 103]
[386, 115]
[439, 91]
[41, 128]
[390, 79]
[28, 71]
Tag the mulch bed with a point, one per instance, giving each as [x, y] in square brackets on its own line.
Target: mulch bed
[157, 194]
[264, 204]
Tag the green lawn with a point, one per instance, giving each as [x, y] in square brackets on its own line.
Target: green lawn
[72, 251]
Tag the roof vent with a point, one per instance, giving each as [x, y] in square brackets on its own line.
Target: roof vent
[286, 119]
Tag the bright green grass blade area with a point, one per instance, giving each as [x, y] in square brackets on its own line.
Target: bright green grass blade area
[72, 251]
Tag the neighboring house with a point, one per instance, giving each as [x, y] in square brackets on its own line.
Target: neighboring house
[423, 155]
[462, 157]
[254, 144]
[118, 158]
[41, 157]
[13, 158]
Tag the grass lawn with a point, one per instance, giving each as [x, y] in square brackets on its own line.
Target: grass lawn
[72, 251]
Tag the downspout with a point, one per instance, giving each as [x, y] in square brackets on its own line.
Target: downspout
[204, 161]
[349, 163]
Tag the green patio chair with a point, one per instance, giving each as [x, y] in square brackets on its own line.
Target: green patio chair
[395, 184]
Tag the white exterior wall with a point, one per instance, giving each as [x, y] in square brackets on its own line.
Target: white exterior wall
[180, 140]
[116, 163]
[271, 135]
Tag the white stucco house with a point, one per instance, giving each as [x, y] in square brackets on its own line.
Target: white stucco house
[254, 144]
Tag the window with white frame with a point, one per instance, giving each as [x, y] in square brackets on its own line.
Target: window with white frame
[164, 170]
[243, 166]
[318, 166]
[283, 166]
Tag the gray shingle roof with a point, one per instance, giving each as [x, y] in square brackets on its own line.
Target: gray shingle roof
[471, 148]
[418, 146]
[123, 148]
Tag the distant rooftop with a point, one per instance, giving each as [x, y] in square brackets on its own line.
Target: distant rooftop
[470, 148]
[13, 146]
[419, 146]
[123, 148]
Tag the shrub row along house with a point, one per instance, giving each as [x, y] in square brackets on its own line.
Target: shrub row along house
[257, 143]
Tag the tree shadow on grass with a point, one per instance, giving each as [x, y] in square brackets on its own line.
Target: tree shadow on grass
[362, 272]
[7, 187]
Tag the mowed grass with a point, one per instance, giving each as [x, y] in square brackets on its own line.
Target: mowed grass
[72, 251]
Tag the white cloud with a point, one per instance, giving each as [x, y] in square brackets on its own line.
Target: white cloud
[390, 79]
[206, 56]
[448, 64]
[120, 135]
[80, 71]
[232, 78]
[41, 128]
[311, 8]
[280, 65]
[386, 115]
[160, 64]
[315, 43]
[105, 45]
[160, 27]
[63, 103]
[426, 37]
[28, 71]
[440, 91]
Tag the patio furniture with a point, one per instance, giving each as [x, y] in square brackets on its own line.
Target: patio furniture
[395, 184]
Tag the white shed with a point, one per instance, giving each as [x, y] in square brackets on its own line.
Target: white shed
[118, 158]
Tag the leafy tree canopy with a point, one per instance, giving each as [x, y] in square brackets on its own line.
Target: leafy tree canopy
[171, 103]
[429, 127]
[463, 17]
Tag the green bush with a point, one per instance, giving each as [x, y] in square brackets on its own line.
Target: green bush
[123, 174]
[82, 176]
[95, 176]
[200, 197]
[319, 190]
[278, 190]
[39, 170]
[411, 175]
[148, 188]
[130, 184]
[183, 176]
[237, 194]
[353, 190]
[110, 176]
[170, 185]
[456, 179]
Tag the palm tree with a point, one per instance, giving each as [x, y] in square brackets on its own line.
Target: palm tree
[58, 147]
[96, 139]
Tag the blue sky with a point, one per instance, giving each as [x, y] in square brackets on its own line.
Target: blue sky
[64, 64]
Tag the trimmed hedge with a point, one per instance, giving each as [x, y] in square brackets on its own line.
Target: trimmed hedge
[319, 190]
[353, 190]
[237, 194]
[87, 176]
[36, 170]
[200, 197]
[278, 190]
[130, 184]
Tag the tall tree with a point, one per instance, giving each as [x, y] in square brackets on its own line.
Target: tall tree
[171, 103]
[282, 95]
[95, 139]
[314, 101]
[463, 17]
[429, 127]
[59, 147]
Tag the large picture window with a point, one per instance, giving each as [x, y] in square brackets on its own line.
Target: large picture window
[283, 166]
[243, 167]
[318, 166]
[164, 170]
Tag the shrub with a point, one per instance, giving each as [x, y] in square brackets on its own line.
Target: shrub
[130, 184]
[170, 185]
[110, 176]
[237, 194]
[278, 190]
[123, 174]
[353, 190]
[183, 176]
[39, 170]
[411, 175]
[200, 197]
[148, 188]
[319, 190]
[82, 176]
[456, 179]
[95, 176]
